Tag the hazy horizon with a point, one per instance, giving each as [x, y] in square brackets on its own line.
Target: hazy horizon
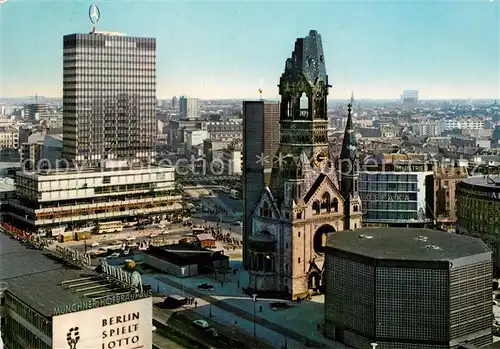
[218, 50]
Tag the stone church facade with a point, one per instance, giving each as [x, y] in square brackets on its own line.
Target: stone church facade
[309, 197]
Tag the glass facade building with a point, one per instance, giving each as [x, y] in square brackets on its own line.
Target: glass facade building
[391, 198]
[109, 98]
[407, 288]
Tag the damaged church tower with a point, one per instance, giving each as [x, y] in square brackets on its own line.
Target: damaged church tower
[304, 202]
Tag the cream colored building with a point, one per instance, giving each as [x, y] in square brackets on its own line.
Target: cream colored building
[51, 198]
[9, 138]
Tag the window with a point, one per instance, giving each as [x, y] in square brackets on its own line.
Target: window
[299, 260]
[299, 215]
[316, 207]
[325, 202]
[299, 234]
[265, 210]
[335, 205]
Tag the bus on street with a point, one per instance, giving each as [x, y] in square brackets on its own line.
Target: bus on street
[109, 227]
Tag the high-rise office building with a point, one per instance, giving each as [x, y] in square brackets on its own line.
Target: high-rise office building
[189, 108]
[260, 142]
[109, 98]
[36, 111]
[410, 97]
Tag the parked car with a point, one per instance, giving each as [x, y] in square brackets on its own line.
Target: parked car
[201, 324]
[205, 286]
[114, 255]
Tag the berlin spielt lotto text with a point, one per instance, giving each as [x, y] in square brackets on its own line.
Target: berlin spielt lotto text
[199, 166]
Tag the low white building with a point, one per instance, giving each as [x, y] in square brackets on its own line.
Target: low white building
[49, 198]
[232, 158]
[195, 137]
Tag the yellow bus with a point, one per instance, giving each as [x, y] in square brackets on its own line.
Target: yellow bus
[109, 227]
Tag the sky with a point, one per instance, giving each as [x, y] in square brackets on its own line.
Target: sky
[230, 49]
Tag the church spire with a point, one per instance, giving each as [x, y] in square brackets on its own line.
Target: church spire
[349, 145]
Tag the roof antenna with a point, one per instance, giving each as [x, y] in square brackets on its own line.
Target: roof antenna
[260, 89]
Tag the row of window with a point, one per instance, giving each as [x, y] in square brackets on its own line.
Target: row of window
[390, 187]
[387, 177]
[29, 315]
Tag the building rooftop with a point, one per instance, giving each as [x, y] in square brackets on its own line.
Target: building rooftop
[107, 169]
[43, 282]
[7, 184]
[406, 244]
[484, 182]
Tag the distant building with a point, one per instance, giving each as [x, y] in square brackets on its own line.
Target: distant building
[111, 115]
[174, 102]
[478, 207]
[36, 111]
[461, 124]
[177, 130]
[189, 108]
[407, 288]
[195, 137]
[260, 142]
[42, 150]
[225, 130]
[430, 129]
[232, 158]
[495, 138]
[445, 203]
[410, 97]
[9, 138]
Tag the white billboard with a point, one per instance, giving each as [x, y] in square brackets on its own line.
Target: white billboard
[121, 326]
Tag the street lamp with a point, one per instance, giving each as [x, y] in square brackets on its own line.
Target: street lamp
[374, 345]
[254, 296]
[182, 281]
[210, 311]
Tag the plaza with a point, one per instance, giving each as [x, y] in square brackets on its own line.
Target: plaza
[231, 307]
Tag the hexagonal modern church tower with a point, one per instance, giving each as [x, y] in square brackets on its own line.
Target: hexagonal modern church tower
[308, 197]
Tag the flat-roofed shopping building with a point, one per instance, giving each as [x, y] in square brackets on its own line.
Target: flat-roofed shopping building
[407, 288]
[48, 304]
[50, 198]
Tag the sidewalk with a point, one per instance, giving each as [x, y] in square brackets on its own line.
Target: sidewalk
[223, 316]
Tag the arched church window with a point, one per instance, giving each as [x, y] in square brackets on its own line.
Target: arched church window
[265, 210]
[325, 202]
[304, 101]
[316, 207]
[335, 205]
